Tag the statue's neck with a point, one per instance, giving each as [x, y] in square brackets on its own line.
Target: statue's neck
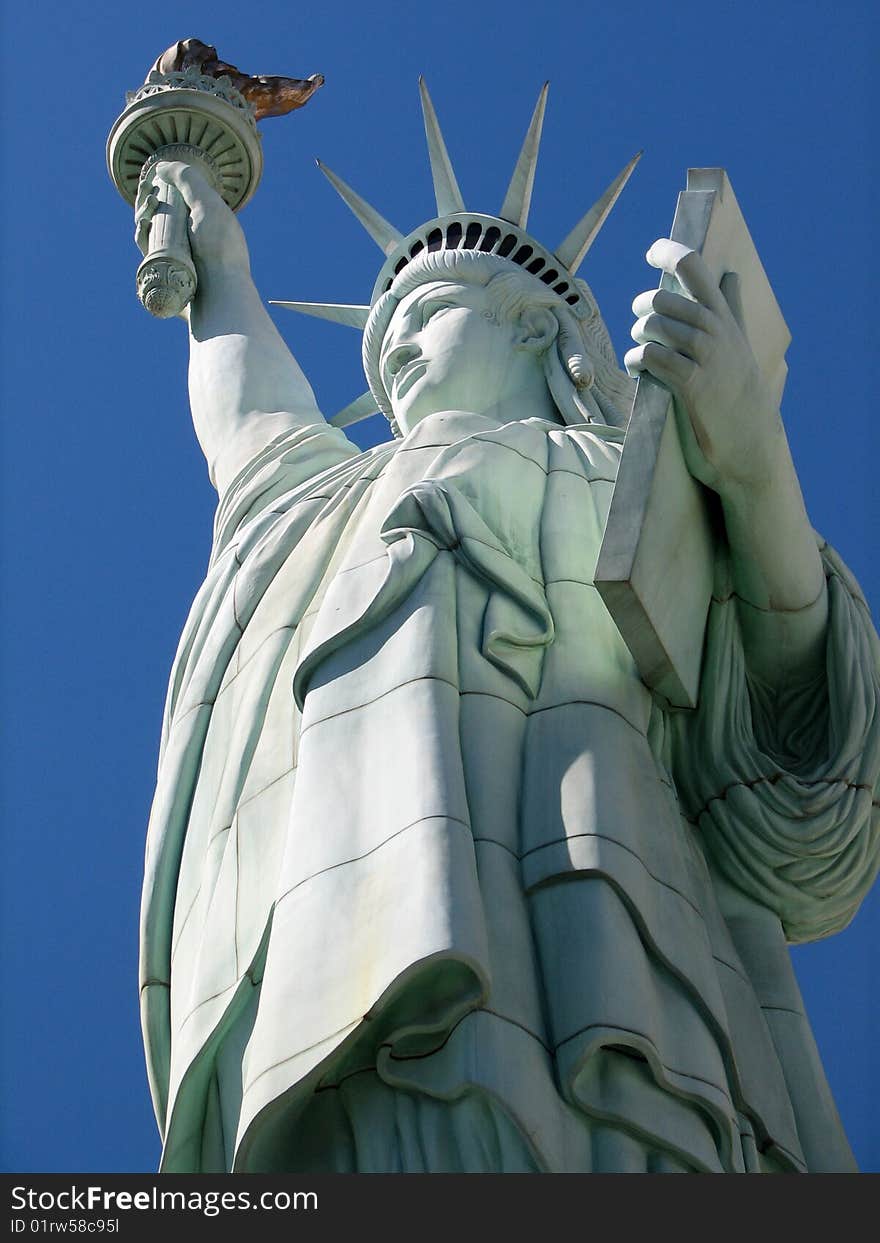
[537, 404]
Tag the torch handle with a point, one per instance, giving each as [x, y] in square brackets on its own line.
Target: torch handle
[166, 279]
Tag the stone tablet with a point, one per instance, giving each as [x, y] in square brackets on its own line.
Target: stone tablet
[656, 565]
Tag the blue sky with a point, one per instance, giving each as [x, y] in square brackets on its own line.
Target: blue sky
[107, 509]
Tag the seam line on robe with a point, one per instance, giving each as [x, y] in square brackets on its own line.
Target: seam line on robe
[347, 569]
[735, 595]
[236, 983]
[218, 833]
[242, 803]
[570, 876]
[306, 500]
[331, 867]
[176, 945]
[732, 967]
[427, 677]
[772, 779]
[685, 1074]
[829, 574]
[202, 703]
[262, 790]
[225, 685]
[504, 1018]
[334, 1087]
[579, 872]
[235, 915]
[317, 1044]
[289, 626]
[191, 1013]
[431, 677]
[785, 1010]
[492, 841]
[417, 1057]
[566, 703]
[575, 872]
[549, 582]
[587, 479]
[594, 703]
[479, 438]
[488, 438]
[405, 448]
[345, 485]
[494, 695]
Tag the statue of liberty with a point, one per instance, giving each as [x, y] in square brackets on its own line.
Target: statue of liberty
[434, 881]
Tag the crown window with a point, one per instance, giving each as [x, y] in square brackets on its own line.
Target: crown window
[490, 238]
[474, 231]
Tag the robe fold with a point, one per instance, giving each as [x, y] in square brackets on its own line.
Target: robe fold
[424, 844]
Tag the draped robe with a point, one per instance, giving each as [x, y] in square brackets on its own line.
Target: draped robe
[422, 839]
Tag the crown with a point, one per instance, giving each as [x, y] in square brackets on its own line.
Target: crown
[456, 228]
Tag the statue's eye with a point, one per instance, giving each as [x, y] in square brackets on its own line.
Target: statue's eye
[430, 309]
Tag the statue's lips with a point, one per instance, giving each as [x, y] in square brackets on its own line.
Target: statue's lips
[407, 377]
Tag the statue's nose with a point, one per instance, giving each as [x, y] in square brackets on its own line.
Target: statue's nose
[399, 356]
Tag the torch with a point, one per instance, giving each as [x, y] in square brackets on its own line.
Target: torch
[196, 109]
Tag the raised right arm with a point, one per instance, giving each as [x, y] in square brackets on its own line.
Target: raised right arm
[245, 386]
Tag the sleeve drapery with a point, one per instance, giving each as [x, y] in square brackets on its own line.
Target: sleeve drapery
[784, 789]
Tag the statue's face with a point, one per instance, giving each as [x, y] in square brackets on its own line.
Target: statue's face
[445, 350]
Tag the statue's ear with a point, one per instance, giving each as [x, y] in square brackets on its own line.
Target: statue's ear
[538, 328]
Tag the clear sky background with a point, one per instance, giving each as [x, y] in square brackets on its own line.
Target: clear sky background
[107, 509]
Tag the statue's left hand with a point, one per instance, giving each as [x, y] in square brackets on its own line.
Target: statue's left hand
[729, 425]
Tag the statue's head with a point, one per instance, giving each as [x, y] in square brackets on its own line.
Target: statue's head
[471, 312]
[467, 330]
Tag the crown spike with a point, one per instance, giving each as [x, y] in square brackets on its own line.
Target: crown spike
[383, 234]
[337, 313]
[570, 253]
[446, 189]
[517, 201]
[361, 408]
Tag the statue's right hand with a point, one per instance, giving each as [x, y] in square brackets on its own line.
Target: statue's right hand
[216, 237]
